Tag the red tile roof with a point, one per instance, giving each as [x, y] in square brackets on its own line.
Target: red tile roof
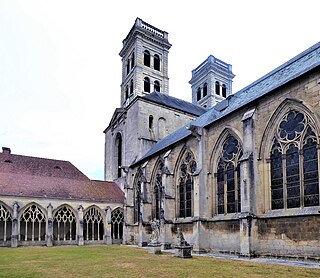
[40, 177]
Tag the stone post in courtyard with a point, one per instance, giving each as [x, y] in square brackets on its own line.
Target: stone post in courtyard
[50, 226]
[247, 182]
[107, 234]
[14, 237]
[80, 226]
[168, 203]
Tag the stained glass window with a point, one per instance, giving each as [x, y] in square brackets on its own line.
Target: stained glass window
[157, 192]
[228, 177]
[187, 167]
[294, 163]
[137, 196]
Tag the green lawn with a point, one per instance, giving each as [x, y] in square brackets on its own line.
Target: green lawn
[122, 261]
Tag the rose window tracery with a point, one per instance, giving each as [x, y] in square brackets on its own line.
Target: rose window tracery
[294, 163]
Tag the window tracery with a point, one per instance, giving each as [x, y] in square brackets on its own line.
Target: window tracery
[5, 224]
[228, 177]
[187, 168]
[32, 224]
[93, 227]
[137, 195]
[157, 192]
[64, 224]
[294, 163]
[117, 223]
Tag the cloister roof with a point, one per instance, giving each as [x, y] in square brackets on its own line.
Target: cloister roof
[40, 177]
[295, 67]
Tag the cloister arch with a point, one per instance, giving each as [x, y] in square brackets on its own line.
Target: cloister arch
[64, 224]
[93, 224]
[5, 224]
[32, 223]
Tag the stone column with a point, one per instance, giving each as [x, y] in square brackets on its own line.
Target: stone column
[168, 204]
[247, 182]
[107, 233]
[50, 226]
[201, 190]
[14, 236]
[80, 226]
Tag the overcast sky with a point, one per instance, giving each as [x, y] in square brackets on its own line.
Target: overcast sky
[60, 69]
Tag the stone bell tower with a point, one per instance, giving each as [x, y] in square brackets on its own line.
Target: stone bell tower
[144, 62]
[211, 82]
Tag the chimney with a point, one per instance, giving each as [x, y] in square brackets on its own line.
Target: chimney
[6, 150]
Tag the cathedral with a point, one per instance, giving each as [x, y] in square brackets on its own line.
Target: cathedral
[235, 172]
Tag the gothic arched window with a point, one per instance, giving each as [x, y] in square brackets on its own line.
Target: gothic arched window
[118, 153]
[157, 191]
[64, 224]
[228, 177]
[32, 224]
[156, 62]
[146, 84]
[137, 195]
[187, 167]
[146, 58]
[156, 86]
[5, 224]
[117, 225]
[294, 163]
[93, 228]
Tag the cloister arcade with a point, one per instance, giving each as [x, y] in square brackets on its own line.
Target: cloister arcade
[34, 225]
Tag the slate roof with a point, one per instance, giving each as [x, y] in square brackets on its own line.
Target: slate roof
[175, 103]
[295, 67]
[40, 177]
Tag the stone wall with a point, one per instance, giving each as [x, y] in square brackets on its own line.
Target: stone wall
[296, 236]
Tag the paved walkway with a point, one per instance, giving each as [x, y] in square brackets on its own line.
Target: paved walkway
[299, 263]
[292, 262]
